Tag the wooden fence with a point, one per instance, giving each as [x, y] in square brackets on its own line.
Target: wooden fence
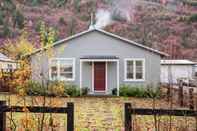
[184, 96]
[69, 110]
[129, 111]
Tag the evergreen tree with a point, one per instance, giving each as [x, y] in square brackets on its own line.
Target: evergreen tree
[10, 18]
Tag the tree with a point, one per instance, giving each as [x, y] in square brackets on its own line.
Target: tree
[20, 47]
[18, 19]
[48, 35]
[10, 17]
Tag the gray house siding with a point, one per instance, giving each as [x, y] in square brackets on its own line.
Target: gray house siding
[87, 75]
[112, 76]
[96, 43]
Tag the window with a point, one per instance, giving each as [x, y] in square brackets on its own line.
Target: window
[62, 69]
[134, 69]
[130, 69]
[9, 67]
[53, 68]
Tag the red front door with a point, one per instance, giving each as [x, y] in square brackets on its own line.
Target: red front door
[99, 76]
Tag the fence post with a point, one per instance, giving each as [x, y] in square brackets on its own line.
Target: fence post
[181, 93]
[70, 117]
[128, 117]
[2, 117]
[191, 99]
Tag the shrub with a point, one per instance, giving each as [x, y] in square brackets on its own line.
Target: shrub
[84, 17]
[77, 5]
[38, 25]
[62, 21]
[34, 88]
[193, 18]
[153, 92]
[6, 32]
[1, 18]
[71, 90]
[61, 88]
[71, 26]
[190, 2]
[59, 3]
[56, 88]
[33, 2]
[85, 91]
[141, 92]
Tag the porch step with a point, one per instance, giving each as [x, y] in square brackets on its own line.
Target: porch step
[101, 95]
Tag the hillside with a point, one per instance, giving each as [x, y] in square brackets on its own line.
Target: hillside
[166, 25]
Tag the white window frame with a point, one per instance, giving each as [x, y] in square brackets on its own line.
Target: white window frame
[134, 69]
[58, 68]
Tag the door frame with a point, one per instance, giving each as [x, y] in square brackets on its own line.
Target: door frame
[81, 61]
[106, 70]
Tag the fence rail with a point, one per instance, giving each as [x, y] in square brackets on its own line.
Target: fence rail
[129, 111]
[69, 110]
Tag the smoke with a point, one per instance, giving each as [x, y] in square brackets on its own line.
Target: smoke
[118, 10]
[125, 10]
[103, 18]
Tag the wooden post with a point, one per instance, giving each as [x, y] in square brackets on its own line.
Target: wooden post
[191, 99]
[70, 117]
[128, 117]
[181, 94]
[2, 116]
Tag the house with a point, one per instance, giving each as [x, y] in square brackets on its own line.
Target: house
[98, 60]
[174, 70]
[6, 64]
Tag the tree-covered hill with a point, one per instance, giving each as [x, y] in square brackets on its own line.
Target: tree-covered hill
[166, 25]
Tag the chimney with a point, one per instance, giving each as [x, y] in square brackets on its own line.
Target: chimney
[91, 26]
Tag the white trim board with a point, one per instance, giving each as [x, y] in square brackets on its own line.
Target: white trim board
[99, 60]
[134, 69]
[58, 68]
[92, 73]
[106, 87]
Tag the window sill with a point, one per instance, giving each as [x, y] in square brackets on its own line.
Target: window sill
[63, 80]
[134, 80]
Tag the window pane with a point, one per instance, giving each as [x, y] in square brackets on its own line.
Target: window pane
[54, 69]
[66, 69]
[130, 69]
[139, 70]
[54, 76]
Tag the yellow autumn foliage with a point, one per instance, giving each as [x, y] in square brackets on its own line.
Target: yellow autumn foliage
[21, 77]
[57, 88]
[19, 47]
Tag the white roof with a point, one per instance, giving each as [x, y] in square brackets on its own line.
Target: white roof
[5, 58]
[177, 62]
[106, 33]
